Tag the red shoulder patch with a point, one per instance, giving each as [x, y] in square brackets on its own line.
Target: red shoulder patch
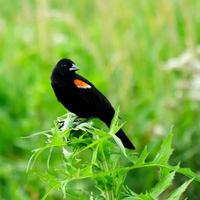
[81, 84]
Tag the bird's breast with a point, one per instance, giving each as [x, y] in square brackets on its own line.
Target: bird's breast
[73, 100]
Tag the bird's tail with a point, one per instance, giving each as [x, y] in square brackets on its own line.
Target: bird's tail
[125, 140]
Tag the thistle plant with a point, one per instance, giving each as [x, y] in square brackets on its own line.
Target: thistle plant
[96, 161]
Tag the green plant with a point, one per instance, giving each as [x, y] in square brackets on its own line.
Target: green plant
[91, 159]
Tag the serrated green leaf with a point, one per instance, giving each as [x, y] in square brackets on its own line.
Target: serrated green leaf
[162, 185]
[87, 171]
[114, 127]
[94, 155]
[57, 139]
[97, 132]
[34, 156]
[131, 198]
[189, 173]
[165, 151]
[56, 186]
[142, 157]
[45, 133]
[49, 157]
[120, 144]
[146, 196]
[114, 121]
[175, 195]
[165, 171]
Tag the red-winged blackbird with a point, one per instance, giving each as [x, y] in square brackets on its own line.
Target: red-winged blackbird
[81, 97]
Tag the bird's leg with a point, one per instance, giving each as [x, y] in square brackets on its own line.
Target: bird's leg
[63, 123]
[76, 122]
[80, 120]
[60, 123]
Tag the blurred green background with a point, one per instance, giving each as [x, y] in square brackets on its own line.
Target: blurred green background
[125, 47]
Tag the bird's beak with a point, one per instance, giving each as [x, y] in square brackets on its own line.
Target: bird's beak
[74, 68]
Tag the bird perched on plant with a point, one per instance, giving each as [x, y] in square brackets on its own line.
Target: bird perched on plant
[81, 97]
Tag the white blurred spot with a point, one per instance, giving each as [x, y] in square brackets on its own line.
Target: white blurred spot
[189, 64]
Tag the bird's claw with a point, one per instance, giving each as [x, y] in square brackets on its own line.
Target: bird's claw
[60, 124]
[80, 120]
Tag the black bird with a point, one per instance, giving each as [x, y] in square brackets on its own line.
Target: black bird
[81, 97]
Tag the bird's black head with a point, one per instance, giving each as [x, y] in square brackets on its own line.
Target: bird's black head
[63, 69]
[66, 66]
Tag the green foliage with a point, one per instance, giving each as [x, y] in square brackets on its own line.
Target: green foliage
[122, 46]
[97, 157]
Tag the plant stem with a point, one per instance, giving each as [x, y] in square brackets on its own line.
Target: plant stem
[108, 193]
